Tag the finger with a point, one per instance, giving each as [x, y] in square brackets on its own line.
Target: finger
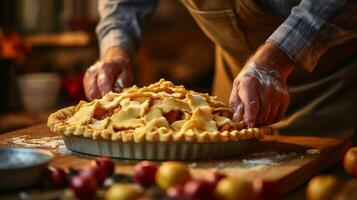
[238, 114]
[282, 109]
[90, 85]
[265, 106]
[264, 112]
[236, 103]
[106, 78]
[273, 113]
[250, 98]
[234, 99]
[124, 80]
[118, 85]
[127, 77]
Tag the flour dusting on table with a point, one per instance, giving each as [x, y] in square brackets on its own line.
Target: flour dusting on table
[268, 158]
[252, 162]
[54, 143]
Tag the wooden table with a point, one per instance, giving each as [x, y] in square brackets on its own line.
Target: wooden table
[281, 163]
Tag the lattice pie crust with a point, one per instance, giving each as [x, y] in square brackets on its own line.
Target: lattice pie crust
[160, 112]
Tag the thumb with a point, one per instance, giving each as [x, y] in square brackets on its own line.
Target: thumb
[236, 104]
[123, 80]
[251, 102]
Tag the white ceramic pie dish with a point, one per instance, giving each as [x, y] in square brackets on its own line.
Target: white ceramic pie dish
[159, 150]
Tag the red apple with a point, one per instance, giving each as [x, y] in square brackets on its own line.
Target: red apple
[106, 164]
[215, 177]
[176, 192]
[144, 173]
[57, 177]
[96, 172]
[84, 187]
[198, 190]
[143, 198]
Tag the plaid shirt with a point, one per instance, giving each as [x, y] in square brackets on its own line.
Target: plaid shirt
[310, 27]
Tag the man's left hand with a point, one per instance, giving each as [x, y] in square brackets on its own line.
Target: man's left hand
[260, 93]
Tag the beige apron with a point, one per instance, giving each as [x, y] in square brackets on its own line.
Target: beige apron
[323, 102]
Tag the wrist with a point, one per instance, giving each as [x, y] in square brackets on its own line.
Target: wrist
[272, 57]
[116, 54]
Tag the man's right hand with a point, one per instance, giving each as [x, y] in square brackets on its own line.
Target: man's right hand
[111, 73]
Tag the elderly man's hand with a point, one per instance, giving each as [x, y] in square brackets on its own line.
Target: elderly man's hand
[111, 73]
[260, 94]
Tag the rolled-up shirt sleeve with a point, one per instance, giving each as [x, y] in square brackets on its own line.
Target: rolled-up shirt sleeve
[121, 23]
[313, 27]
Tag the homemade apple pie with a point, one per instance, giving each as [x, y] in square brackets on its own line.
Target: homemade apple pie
[160, 112]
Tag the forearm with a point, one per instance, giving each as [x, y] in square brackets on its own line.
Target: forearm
[313, 27]
[273, 58]
[116, 54]
[121, 23]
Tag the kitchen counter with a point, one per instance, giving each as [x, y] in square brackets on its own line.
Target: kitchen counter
[283, 163]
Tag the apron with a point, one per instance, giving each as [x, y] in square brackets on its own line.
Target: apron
[322, 102]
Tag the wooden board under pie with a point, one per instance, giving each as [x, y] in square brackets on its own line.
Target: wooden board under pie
[281, 162]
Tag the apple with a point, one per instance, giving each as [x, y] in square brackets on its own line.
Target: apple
[322, 187]
[172, 173]
[143, 198]
[215, 177]
[121, 191]
[84, 187]
[144, 173]
[106, 164]
[233, 189]
[350, 161]
[176, 192]
[198, 190]
[57, 177]
[96, 172]
[348, 191]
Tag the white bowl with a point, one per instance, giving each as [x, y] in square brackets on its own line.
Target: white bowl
[39, 91]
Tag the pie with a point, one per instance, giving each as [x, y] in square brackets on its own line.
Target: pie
[160, 112]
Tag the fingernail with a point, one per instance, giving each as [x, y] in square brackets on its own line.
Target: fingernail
[235, 116]
[251, 125]
[120, 83]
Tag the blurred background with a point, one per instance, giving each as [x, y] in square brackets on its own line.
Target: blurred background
[46, 45]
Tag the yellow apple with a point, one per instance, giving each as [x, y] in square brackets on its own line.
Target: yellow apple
[172, 173]
[348, 191]
[234, 189]
[322, 187]
[350, 160]
[121, 191]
